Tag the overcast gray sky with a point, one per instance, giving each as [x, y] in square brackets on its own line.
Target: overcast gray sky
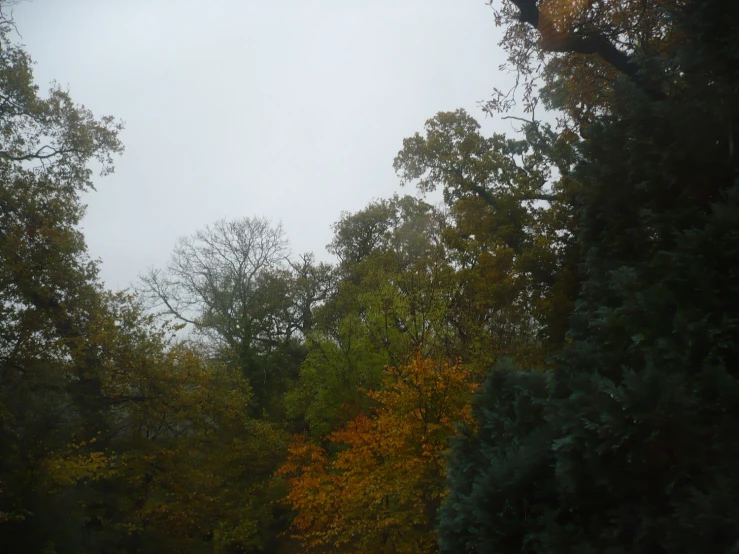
[289, 110]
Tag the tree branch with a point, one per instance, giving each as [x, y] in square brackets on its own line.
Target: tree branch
[36, 155]
[597, 43]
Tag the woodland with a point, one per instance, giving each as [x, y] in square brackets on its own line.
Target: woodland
[547, 362]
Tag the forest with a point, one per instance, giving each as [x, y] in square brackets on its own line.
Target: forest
[540, 364]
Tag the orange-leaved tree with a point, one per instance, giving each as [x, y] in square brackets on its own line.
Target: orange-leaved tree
[378, 484]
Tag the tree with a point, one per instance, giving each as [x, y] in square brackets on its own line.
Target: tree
[179, 465]
[499, 470]
[583, 48]
[380, 492]
[50, 299]
[231, 282]
[513, 206]
[389, 303]
[626, 445]
[191, 469]
[100, 409]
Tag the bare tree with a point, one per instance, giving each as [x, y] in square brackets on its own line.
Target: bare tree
[214, 279]
[234, 285]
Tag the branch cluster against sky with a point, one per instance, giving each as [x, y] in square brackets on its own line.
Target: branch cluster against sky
[289, 110]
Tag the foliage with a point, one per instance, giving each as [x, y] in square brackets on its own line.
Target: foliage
[512, 205]
[576, 53]
[50, 301]
[381, 490]
[626, 445]
[114, 437]
[591, 264]
[389, 302]
[232, 282]
[194, 466]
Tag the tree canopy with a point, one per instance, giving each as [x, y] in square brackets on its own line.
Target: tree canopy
[543, 362]
[624, 446]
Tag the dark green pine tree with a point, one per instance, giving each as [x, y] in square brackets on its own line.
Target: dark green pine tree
[630, 444]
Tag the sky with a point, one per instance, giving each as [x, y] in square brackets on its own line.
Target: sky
[288, 110]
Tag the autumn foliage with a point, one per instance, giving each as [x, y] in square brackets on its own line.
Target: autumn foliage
[379, 481]
[583, 270]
